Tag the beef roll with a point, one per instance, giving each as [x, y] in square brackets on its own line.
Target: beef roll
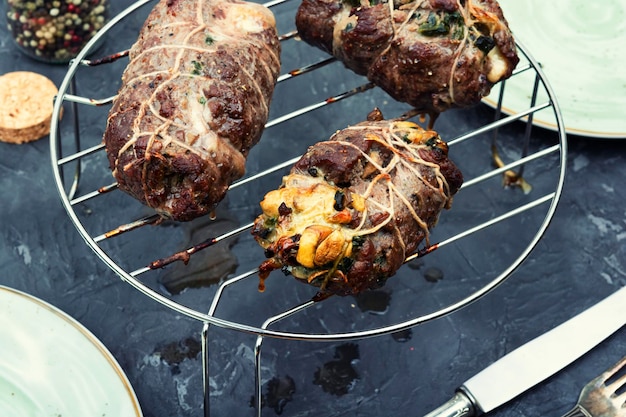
[433, 54]
[194, 99]
[354, 207]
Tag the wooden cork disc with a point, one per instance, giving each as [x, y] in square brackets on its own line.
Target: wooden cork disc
[26, 102]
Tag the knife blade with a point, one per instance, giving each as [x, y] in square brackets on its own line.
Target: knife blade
[537, 359]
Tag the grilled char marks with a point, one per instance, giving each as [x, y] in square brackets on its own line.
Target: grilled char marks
[365, 37]
[194, 99]
[354, 207]
[434, 55]
[337, 162]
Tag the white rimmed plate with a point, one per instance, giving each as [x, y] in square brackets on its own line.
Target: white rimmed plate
[580, 47]
[50, 365]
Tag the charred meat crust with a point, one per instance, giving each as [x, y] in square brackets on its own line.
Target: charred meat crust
[434, 55]
[194, 99]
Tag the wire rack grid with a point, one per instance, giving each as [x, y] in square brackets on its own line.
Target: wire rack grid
[308, 99]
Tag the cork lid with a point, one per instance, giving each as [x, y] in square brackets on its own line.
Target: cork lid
[26, 102]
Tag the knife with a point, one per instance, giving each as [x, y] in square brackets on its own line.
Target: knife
[536, 360]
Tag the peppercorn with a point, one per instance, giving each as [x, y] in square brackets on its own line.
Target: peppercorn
[55, 31]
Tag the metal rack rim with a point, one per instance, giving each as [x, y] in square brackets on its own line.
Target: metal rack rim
[266, 332]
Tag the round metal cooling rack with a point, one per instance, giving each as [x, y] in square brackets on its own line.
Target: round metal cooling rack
[311, 101]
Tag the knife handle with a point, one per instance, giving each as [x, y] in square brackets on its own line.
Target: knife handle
[458, 406]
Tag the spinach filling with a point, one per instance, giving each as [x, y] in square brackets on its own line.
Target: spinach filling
[442, 24]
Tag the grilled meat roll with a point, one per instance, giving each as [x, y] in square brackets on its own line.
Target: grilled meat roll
[194, 99]
[354, 207]
[432, 54]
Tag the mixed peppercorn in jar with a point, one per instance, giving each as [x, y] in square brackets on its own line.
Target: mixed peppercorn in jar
[55, 30]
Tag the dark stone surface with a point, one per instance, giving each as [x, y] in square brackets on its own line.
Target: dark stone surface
[580, 259]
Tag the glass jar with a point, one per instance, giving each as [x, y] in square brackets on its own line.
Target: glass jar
[55, 30]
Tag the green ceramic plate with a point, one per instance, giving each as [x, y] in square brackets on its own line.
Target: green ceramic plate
[50, 365]
[580, 45]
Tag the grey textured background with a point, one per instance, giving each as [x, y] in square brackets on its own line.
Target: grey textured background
[580, 260]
